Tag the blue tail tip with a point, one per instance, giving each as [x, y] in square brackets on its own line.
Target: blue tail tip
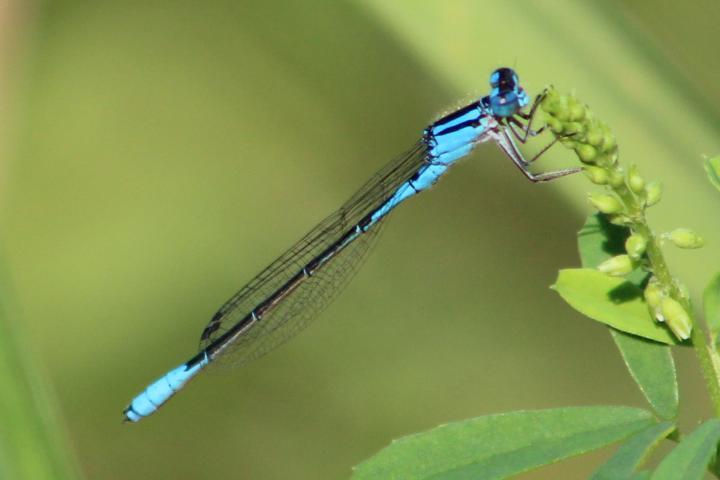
[130, 415]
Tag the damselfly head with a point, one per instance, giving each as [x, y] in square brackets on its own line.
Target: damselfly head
[507, 96]
[504, 78]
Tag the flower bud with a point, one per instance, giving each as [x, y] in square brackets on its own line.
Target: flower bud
[616, 178]
[555, 125]
[676, 318]
[635, 246]
[653, 294]
[618, 266]
[606, 203]
[634, 180]
[573, 128]
[608, 142]
[587, 153]
[550, 105]
[562, 113]
[597, 175]
[653, 193]
[568, 142]
[550, 95]
[686, 238]
[620, 220]
[653, 297]
[577, 112]
[607, 160]
[595, 136]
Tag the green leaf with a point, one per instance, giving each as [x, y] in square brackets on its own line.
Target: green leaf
[633, 453]
[711, 305]
[612, 301]
[712, 168]
[652, 367]
[497, 446]
[691, 457]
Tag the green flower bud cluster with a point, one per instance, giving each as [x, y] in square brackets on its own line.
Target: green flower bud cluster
[625, 197]
[595, 145]
[577, 128]
[666, 309]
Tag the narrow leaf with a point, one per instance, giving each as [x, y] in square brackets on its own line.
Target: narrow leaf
[650, 363]
[633, 453]
[652, 367]
[497, 446]
[612, 301]
[712, 168]
[711, 305]
[691, 457]
[33, 442]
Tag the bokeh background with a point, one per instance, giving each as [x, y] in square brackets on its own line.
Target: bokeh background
[157, 154]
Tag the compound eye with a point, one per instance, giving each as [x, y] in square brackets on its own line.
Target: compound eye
[495, 78]
[504, 78]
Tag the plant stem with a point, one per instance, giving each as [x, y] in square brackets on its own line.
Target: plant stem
[663, 275]
[698, 335]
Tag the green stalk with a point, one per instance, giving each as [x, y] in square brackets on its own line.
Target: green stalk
[32, 442]
[698, 335]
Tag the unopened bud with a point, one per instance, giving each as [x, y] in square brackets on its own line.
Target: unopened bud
[617, 266]
[608, 141]
[653, 193]
[587, 153]
[634, 180]
[653, 294]
[550, 96]
[620, 220]
[555, 125]
[595, 136]
[686, 238]
[606, 160]
[572, 128]
[568, 142]
[597, 175]
[606, 203]
[616, 178]
[676, 318]
[577, 112]
[635, 246]
[562, 113]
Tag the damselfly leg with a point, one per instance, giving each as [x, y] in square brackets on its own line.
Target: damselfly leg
[509, 148]
[525, 129]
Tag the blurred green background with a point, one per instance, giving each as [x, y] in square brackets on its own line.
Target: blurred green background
[158, 154]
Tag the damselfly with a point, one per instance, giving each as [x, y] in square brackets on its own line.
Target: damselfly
[288, 294]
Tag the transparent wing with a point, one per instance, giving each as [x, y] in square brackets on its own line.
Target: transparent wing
[298, 309]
